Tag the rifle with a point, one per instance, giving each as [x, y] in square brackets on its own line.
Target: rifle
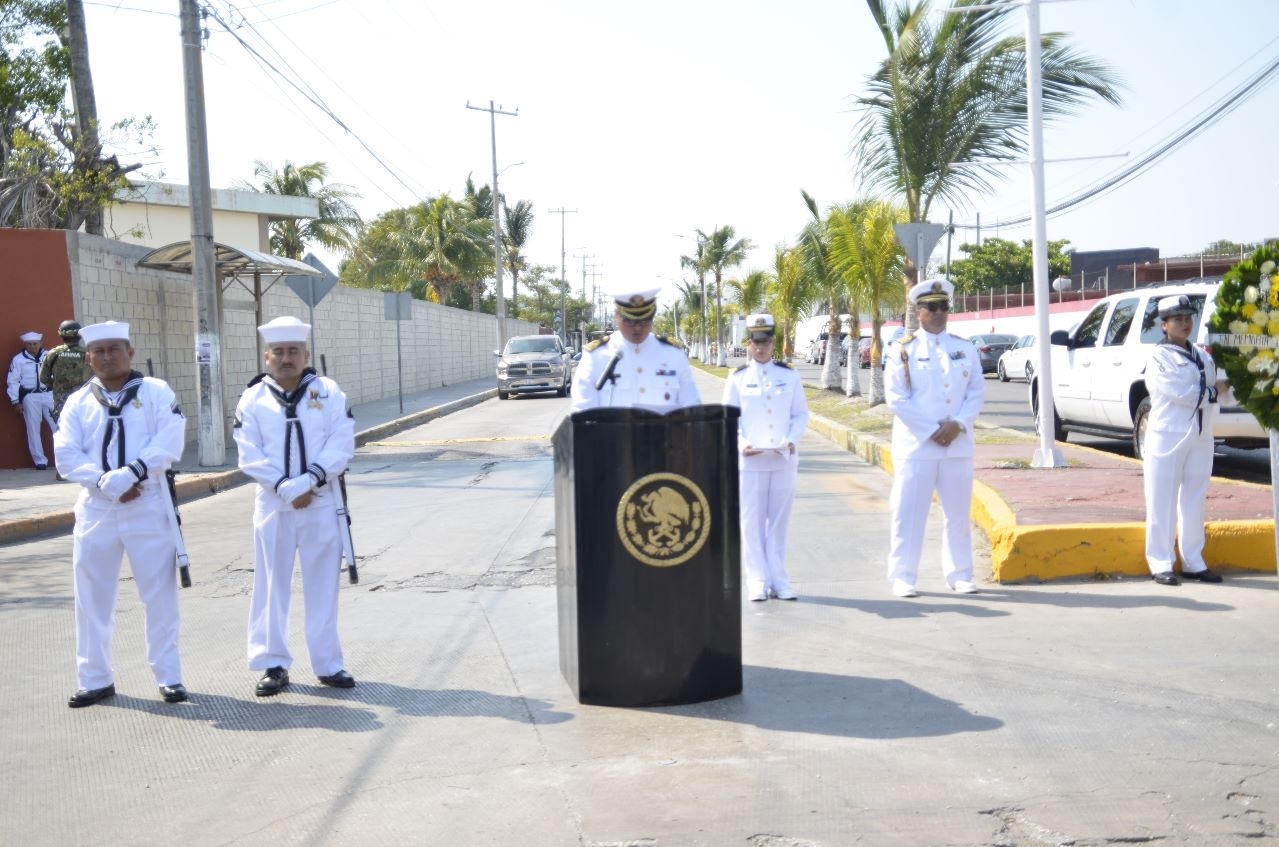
[343, 514]
[175, 517]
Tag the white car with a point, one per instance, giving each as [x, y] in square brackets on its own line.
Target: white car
[1098, 384]
[1018, 360]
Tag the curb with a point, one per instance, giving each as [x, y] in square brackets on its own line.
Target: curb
[194, 485]
[1064, 551]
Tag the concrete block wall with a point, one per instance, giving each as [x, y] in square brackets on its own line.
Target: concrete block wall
[439, 346]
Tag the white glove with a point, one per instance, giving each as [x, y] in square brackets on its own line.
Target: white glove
[116, 483]
[292, 489]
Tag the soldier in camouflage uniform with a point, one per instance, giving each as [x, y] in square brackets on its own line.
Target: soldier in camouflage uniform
[65, 368]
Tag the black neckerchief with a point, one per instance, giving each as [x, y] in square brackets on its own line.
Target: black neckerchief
[114, 421]
[289, 400]
[1190, 353]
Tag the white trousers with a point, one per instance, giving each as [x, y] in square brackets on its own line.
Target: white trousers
[914, 482]
[1177, 468]
[103, 534]
[766, 498]
[38, 407]
[279, 539]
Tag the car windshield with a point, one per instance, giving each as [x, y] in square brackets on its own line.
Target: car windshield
[999, 339]
[531, 345]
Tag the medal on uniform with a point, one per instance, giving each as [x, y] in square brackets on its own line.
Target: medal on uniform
[314, 401]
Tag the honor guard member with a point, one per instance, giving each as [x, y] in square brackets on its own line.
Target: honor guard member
[934, 386]
[633, 367]
[1177, 453]
[29, 396]
[774, 415]
[295, 434]
[65, 367]
[116, 437]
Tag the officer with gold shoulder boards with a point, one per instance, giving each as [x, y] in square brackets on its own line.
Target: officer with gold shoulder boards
[774, 415]
[631, 367]
[934, 386]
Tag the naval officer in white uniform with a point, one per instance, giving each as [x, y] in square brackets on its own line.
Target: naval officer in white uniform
[116, 436]
[1177, 453]
[631, 366]
[934, 386]
[774, 415]
[295, 434]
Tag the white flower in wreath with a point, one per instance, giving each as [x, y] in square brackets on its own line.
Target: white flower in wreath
[1265, 285]
[1267, 267]
[1239, 327]
[1260, 317]
[1250, 294]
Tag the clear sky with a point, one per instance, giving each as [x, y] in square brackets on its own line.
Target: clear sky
[651, 120]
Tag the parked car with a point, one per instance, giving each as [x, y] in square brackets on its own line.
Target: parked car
[817, 350]
[1098, 386]
[863, 351]
[531, 363]
[990, 347]
[1019, 360]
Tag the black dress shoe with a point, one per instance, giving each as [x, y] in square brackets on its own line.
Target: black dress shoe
[341, 679]
[1165, 578]
[1204, 575]
[42, 467]
[89, 696]
[272, 682]
[173, 693]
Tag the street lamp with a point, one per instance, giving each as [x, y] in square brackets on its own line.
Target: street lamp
[494, 111]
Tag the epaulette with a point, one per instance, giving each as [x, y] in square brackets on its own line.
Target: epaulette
[782, 364]
[665, 340]
[907, 338]
[594, 345]
[741, 368]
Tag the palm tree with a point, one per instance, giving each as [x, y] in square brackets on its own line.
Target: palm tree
[697, 264]
[720, 251]
[437, 243]
[864, 251]
[517, 228]
[814, 249]
[690, 298]
[338, 225]
[789, 294]
[948, 103]
[750, 291]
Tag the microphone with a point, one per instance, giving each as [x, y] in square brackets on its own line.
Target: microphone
[608, 376]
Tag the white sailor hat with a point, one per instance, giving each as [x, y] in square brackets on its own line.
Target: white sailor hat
[285, 330]
[1178, 305]
[28, 337]
[105, 331]
[637, 304]
[931, 290]
[760, 327]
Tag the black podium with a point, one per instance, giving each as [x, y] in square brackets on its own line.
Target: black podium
[648, 555]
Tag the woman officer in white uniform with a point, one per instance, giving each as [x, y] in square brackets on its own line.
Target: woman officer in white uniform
[774, 415]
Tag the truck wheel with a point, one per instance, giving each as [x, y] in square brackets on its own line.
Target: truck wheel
[1139, 421]
[503, 394]
[1003, 375]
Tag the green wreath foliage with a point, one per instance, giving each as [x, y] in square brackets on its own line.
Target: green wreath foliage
[1248, 304]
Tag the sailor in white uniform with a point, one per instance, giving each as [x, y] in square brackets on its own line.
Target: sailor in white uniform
[934, 386]
[32, 398]
[295, 435]
[774, 415]
[116, 436]
[1177, 453]
[631, 367]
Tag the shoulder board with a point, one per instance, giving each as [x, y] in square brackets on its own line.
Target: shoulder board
[907, 338]
[665, 340]
[740, 368]
[782, 364]
[956, 337]
[594, 345]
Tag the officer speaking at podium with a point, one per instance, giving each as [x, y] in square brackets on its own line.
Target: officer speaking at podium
[631, 367]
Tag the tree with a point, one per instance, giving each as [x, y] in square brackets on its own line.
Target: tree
[864, 251]
[517, 228]
[720, 251]
[750, 291]
[338, 225]
[948, 103]
[998, 263]
[790, 296]
[53, 173]
[814, 247]
[697, 264]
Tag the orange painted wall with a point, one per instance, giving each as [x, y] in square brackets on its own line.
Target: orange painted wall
[36, 290]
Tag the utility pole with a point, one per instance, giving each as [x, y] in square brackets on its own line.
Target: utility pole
[563, 275]
[494, 111]
[211, 421]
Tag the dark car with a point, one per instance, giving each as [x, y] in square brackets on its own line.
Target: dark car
[534, 363]
[990, 347]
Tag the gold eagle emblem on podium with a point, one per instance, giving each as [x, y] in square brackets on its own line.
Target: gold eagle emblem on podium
[663, 520]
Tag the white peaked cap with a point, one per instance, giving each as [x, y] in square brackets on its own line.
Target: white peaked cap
[106, 331]
[284, 330]
[931, 289]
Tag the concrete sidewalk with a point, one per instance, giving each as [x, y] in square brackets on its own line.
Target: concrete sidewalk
[34, 503]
